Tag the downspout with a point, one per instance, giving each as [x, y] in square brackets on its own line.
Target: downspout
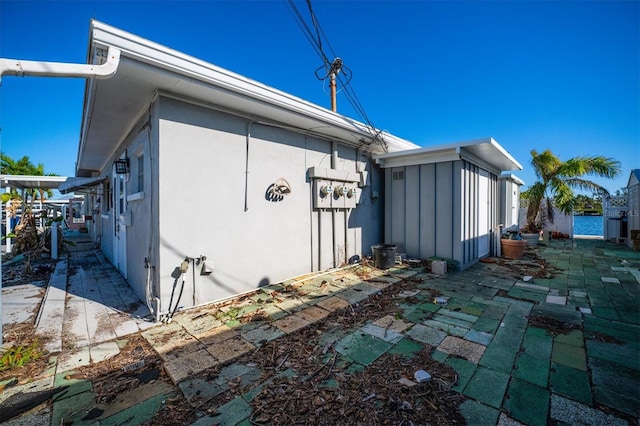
[59, 69]
[334, 164]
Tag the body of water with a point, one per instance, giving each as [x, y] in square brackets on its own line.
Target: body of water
[587, 225]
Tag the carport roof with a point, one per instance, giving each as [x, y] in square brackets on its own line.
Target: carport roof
[31, 182]
[486, 153]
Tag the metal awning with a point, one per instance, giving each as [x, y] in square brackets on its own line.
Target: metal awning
[30, 182]
[73, 184]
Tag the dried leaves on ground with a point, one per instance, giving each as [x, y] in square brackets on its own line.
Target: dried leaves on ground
[304, 380]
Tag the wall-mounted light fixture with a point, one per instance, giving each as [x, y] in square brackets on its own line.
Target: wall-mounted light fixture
[122, 166]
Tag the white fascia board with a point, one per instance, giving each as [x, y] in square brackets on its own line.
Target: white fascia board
[416, 158]
[159, 56]
[455, 151]
[428, 150]
[510, 176]
[505, 153]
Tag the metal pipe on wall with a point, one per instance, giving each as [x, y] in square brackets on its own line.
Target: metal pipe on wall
[246, 168]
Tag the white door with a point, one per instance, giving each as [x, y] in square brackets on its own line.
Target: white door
[119, 229]
[483, 214]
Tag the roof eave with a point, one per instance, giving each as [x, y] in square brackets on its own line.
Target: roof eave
[155, 55]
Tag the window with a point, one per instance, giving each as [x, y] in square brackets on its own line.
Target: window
[141, 173]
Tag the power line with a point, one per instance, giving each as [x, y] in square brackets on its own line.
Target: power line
[335, 67]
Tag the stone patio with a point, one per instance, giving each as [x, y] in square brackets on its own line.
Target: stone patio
[510, 369]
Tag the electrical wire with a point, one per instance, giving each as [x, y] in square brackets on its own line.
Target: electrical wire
[343, 74]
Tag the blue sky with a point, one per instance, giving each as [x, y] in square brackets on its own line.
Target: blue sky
[562, 75]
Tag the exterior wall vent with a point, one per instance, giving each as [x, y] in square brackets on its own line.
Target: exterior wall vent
[398, 175]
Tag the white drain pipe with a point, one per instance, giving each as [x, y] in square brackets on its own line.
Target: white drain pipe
[22, 68]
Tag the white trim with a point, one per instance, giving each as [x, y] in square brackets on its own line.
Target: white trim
[189, 68]
[485, 152]
[136, 197]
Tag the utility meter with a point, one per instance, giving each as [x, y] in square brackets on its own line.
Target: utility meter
[326, 190]
[342, 191]
[352, 192]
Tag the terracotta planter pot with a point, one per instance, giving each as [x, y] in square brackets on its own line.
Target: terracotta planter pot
[513, 249]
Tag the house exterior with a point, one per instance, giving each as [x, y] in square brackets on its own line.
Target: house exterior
[443, 201]
[204, 184]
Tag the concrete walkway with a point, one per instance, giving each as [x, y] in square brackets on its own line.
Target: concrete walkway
[563, 349]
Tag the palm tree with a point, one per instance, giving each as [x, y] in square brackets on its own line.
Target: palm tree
[557, 179]
[24, 167]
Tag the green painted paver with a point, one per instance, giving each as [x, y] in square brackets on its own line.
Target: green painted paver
[438, 355]
[479, 337]
[499, 358]
[429, 307]
[537, 345]
[571, 356]
[465, 370]
[622, 379]
[407, 348]
[72, 410]
[233, 412]
[570, 382]
[514, 321]
[573, 338]
[487, 386]
[479, 414]
[416, 315]
[509, 337]
[620, 331]
[527, 402]
[199, 388]
[459, 315]
[520, 293]
[532, 369]
[137, 414]
[486, 324]
[452, 321]
[624, 354]
[362, 347]
[605, 312]
[448, 329]
[620, 402]
[75, 386]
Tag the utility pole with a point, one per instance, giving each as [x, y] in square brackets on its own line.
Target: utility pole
[332, 86]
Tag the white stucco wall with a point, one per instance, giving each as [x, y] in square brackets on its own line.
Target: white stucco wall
[561, 223]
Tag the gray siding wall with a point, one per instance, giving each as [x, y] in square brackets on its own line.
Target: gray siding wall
[202, 178]
[509, 202]
[433, 210]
